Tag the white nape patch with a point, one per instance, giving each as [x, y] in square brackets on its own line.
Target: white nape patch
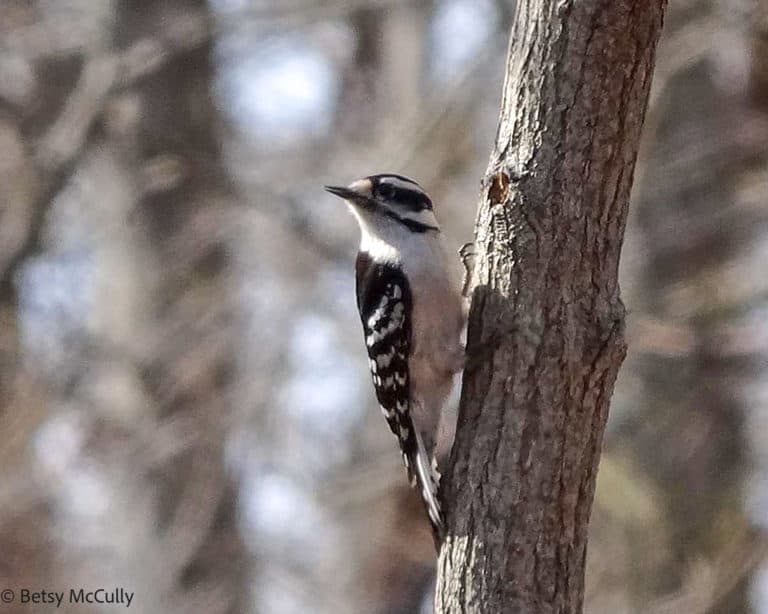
[401, 406]
[400, 378]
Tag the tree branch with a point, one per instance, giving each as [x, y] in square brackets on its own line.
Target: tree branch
[62, 146]
[549, 231]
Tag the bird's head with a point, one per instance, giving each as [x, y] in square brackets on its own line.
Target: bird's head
[388, 198]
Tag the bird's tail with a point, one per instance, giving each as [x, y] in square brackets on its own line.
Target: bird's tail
[424, 475]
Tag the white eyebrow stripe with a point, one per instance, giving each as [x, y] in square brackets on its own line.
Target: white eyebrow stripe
[425, 216]
[411, 186]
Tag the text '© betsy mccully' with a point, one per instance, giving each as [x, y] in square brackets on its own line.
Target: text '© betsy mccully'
[101, 596]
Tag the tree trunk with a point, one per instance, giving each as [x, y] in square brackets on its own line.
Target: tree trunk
[546, 325]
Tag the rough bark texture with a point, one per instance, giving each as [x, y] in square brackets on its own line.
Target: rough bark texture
[546, 324]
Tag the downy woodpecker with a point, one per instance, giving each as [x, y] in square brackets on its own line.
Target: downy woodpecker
[411, 309]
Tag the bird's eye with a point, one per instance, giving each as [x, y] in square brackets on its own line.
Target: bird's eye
[387, 191]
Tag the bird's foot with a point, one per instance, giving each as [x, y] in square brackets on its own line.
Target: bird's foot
[468, 257]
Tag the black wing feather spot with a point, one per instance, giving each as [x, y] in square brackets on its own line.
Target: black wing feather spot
[384, 299]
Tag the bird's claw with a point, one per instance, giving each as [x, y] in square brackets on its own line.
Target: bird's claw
[468, 256]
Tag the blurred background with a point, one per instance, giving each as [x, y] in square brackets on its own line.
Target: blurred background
[185, 406]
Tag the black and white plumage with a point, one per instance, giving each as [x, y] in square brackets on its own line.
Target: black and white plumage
[411, 310]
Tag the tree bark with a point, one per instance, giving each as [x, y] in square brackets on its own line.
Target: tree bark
[546, 324]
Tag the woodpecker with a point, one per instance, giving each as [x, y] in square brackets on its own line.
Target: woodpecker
[412, 314]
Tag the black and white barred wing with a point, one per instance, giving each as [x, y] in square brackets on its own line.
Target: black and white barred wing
[387, 339]
[384, 299]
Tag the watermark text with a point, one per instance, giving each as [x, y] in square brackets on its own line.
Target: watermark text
[119, 597]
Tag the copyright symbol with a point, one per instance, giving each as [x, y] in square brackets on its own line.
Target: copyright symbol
[7, 596]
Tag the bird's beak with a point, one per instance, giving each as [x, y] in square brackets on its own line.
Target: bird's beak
[342, 192]
[357, 193]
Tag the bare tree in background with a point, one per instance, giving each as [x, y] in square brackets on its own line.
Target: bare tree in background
[546, 307]
[705, 172]
[125, 141]
[154, 216]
